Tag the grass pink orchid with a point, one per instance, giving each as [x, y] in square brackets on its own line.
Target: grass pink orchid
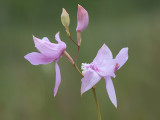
[49, 52]
[103, 66]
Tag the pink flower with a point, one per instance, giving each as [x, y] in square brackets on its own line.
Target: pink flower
[103, 66]
[82, 19]
[49, 52]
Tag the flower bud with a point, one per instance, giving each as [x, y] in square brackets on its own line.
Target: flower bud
[82, 19]
[65, 18]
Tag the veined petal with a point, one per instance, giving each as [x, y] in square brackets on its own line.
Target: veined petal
[89, 80]
[104, 54]
[49, 49]
[111, 91]
[36, 58]
[58, 78]
[122, 57]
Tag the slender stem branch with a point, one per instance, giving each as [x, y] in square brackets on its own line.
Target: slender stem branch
[77, 54]
[97, 106]
[73, 41]
[75, 66]
[69, 35]
[79, 43]
[93, 88]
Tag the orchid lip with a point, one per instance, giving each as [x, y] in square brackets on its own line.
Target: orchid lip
[92, 66]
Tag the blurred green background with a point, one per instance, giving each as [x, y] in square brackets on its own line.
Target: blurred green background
[26, 91]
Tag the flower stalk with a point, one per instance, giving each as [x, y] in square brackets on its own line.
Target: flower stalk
[93, 88]
[69, 35]
[97, 106]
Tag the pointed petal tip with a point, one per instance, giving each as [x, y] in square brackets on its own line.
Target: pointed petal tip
[104, 46]
[58, 33]
[126, 48]
[26, 57]
[81, 9]
[82, 91]
[55, 93]
[79, 5]
[115, 105]
[34, 38]
[57, 36]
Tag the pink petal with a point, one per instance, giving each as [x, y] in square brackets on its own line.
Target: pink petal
[45, 39]
[104, 61]
[111, 91]
[57, 37]
[103, 55]
[82, 19]
[49, 49]
[89, 80]
[122, 57]
[106, 69]
[58, 78]
[36, 58]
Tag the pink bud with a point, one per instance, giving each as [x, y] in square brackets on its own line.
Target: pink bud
[82, 19]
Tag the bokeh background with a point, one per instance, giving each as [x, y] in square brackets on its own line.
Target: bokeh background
[26, 91]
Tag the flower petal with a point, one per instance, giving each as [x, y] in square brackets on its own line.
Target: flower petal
[57, 37]
[58, 78]
[45, 39]
[107, 69]
[111, 91]
[49, 49]
[89, 80]
[103, 55]
[36, 58]
[82, 19]
[44, 45]
[104, 61]
[122, 57]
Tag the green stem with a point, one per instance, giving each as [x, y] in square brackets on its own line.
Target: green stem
[77, 54]
[93, 88]
[75, 66]
[97, 106]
